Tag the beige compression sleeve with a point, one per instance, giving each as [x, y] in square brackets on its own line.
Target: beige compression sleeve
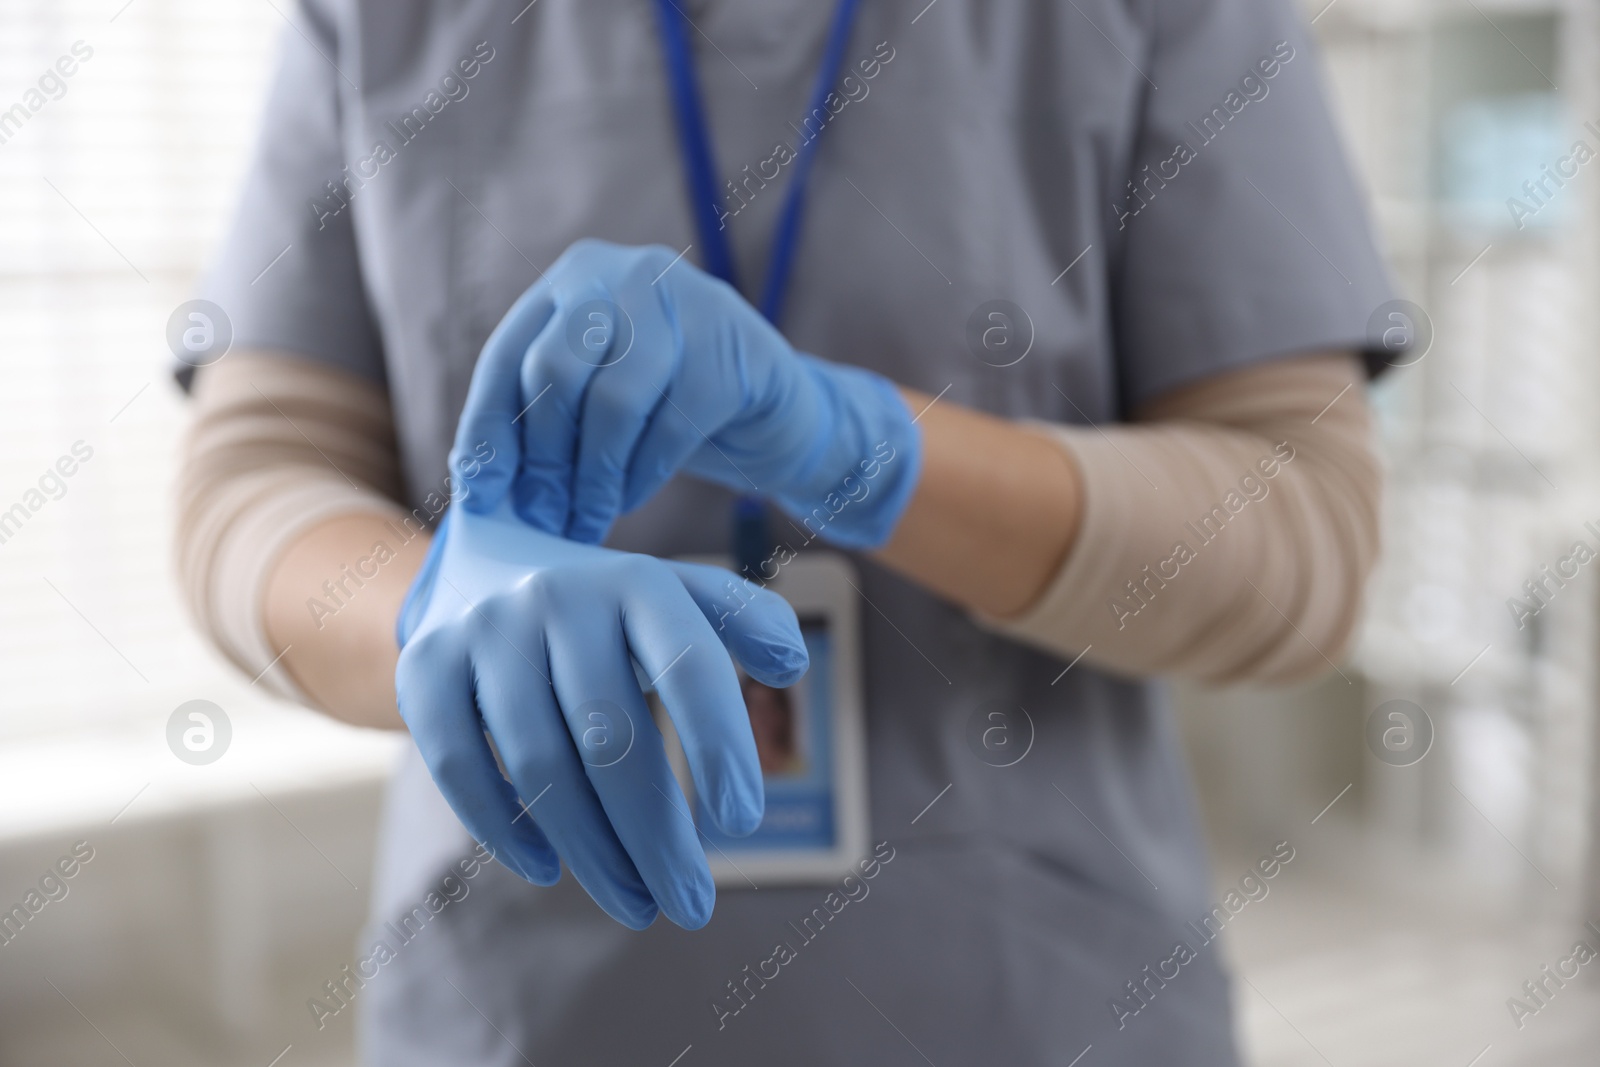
[278, 445]
[1226, 535]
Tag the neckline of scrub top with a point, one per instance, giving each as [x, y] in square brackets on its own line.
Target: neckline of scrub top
[699, 156]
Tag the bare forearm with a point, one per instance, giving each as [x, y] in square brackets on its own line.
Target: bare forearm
[994, 513]
[331, 601]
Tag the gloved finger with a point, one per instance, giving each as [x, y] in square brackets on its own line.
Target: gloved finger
[433, 684]
[620, 403]
[489, 422]
[625, 759]
[554, 377]
[520, 710]
[686, 664]
[756, 625]
[691, 406]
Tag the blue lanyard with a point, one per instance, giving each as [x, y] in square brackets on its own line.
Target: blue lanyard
[750, 537]
[699, 159]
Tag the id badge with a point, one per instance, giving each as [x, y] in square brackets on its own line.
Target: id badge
[811, 739]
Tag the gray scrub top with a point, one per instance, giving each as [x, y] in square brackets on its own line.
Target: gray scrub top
[1129, 174]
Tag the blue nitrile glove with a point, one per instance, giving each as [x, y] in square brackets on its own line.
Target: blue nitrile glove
[589, 411]
[530, 639]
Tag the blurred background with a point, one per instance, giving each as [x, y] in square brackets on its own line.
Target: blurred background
[1439, 789]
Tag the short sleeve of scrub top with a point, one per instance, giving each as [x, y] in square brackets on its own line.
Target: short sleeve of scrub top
[288, 276]
[1242, 234]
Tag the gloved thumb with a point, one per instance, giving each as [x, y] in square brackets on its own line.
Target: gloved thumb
[756, 625]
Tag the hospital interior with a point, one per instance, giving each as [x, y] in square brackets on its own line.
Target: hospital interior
[1430, 896]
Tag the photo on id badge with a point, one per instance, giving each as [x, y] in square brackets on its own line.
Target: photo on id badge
[810, 738]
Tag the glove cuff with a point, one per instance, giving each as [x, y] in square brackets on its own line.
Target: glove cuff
[854, 490]
[421, 591]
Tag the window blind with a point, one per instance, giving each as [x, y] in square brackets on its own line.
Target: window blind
[125, 128]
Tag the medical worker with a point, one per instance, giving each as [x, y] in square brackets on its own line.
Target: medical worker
[1050, 318]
